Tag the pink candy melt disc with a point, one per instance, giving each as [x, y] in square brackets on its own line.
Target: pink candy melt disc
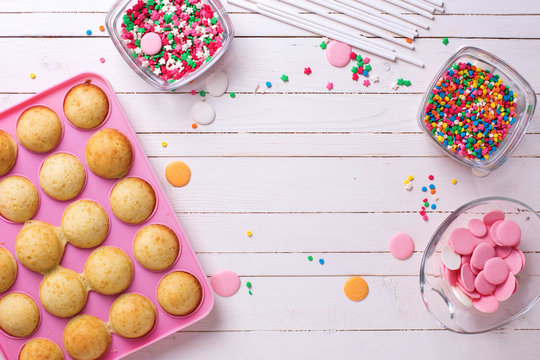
[493, 216]
[509, 233]
[506, 289]
[462, 241]
[466, 277]
[401, 246]
[477, 228]
[151, 43]
[482, 253]
[515, 261]
[338, 54]
[225, 283]
[496, 271]
[482, 285]
[486, 304]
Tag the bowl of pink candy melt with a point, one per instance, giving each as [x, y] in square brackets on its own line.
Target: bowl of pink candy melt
[479, 270]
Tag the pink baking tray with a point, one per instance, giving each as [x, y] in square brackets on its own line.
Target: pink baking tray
[121, 234]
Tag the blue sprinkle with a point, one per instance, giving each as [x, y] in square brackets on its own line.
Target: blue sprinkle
[433, 206]
[424, 189]
[88, 32]
[321, 261]
[268, 84]
[432, 186]
[365, 73]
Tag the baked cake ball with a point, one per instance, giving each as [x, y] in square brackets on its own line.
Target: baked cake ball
[85, 224]
[8, 269]
[39, 129]
[109, 270]
[109, 154]
[132, 316]
[156, 247]
[19, 314]
[19, 199]
[62, 293]
[179, 293]
[86, 106]
[38, 246]
[86, 338]
[41, 349]
[8, 152]
[62, 176]
[132, 200]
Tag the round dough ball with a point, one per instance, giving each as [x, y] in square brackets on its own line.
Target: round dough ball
[8, 152]
[62, 293]
[39, 129]
[179, 293]
[62, 176]
[109, 270]
[156, 247]
[86, 338]
[85, 224]
[19, 199]
[132, 200]
[41, 349]
[19, 314]
[109, 154]
[132, 316]
[86, 106]
[8, 269]
[38, 246]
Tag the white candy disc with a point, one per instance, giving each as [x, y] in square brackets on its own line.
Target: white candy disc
[202, 113]
[464, 299]
[450, 259]
[217, 83]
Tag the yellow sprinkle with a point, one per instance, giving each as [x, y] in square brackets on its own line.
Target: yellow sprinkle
[454, 181]
[249, 234]
[164, 144]
[405, 182]
[410, 178]
[32, 76]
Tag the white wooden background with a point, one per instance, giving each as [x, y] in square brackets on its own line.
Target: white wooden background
[310, 172]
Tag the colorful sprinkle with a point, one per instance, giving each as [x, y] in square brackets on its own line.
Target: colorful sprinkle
[284, 78]
[410, 178]
[194, 125]
[454, 181]
[330, 85]
[232, 95]
[32, 76]
[431, 177]
[101, 28]
[321, 261]
[424, 189]
[268, 84]
[445, 41]
[307, 70]
[102, 60]
[408, 40]
[248, 285]
[310, 258]
[366, 83]
[164, 144]
[433, 206]
[352, 55]
[322, 45]
[249, 233]
[88, 32]
[431, 186]
[193, 92]
[470, 111]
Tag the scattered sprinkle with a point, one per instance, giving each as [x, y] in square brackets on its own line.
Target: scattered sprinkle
[425, 218]
[402, 82]
[250, 293]
[194, 125]
[408, 40]
[366, 61]
[101, 28]
[355, 77]
[202, 93]
[356, 288]
[310, 258]
[193, 92]
[307, 70]
[88, 32]
[445, 41]
[433, 191]
[164, 144]
[352, 55]
[232, 95]
[323, 45]
[410, 178]
[268, 84]
[424, 189]
[433, 206]
[366, 83]
[249, 233]
[321, 261]
[330, 85]
[248, 284]
[431, 177]
[102, 60]
[454, 181]
[394, 86]
[284, 78]
[374, 78]
[431, 186]
[32, 76]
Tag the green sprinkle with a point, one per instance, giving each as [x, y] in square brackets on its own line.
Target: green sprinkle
[151, 2]
[400, 81]
[354, 70]
[248, 284]
[323, 45]
[138, 42]
[310, 258]
[407, 83]
[367, 68]
[141, 30]
[213, 21]
[202, 93]
[445, 41]
[285, 78]
[359, 57]
[232, 95]
[250, 293]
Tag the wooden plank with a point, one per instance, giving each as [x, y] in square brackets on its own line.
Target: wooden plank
[55, 64]
[243, 185]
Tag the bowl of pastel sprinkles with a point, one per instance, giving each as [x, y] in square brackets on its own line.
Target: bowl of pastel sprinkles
[477, 109]
[169, 43]
[478, 271]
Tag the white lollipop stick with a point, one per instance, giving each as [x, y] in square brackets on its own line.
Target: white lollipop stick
[376, 5]
[411, 8]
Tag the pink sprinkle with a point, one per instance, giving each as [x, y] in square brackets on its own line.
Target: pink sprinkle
[425, 218]
[307, 70]
[330, 86]
[355, 77]
[193, 92]
[102, 60]
[366, 60]
[366, 82]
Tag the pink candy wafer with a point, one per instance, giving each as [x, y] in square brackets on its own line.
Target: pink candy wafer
[482, 285]
[515, 261]
[401, 246]
[151, 43]
[482, 253]
[493, 216]
[462, 241]
[496, 270]
[493, 233]
[486, 304]
[477, 228]
[225, 283]
[506, 289]
[450, 275]
[338, 54]
[472, 294]
[502, 251]
[509, 233]
[466, 277]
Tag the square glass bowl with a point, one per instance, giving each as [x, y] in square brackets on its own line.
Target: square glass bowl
[525, 106]
[113, 23]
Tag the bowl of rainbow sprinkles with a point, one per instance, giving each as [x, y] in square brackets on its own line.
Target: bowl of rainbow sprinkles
[477, 109]
[169, 43]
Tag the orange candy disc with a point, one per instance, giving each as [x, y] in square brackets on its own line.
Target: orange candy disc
[178, 173]
[356, 288]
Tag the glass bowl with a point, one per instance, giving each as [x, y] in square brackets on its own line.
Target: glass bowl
[526, 104]
[113, 23]
[437, 294]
